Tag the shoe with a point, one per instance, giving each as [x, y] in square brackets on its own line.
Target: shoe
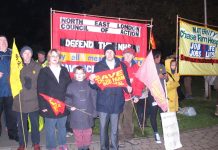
[21, 147]
[157, 138]
[133, 142]
[36, 147]
[12, 137]
[63, 147]
[69, 134]
[122, 144]
[189, 97]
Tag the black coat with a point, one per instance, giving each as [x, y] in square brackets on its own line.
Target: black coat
[48, 84]
[110, 100]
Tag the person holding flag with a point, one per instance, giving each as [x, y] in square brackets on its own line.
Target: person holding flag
[152, 106]
[110, 100]
[6, 99]
[26, 103]
[51, 85]
[81, 97]
[126, 126]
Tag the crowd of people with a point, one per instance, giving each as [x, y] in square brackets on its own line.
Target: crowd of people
[84, 99]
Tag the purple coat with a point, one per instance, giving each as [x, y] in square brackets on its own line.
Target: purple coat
[81, 96]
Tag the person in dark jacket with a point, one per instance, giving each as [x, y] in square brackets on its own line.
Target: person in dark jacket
[80, 96]
[53, 81]
[6, 99]
[27, 103]
[110, 101]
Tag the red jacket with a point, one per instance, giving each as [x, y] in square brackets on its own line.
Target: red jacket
[137, 86]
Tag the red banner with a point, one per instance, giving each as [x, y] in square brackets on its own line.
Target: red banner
[111, 78]
[56, 105]
[81, 38]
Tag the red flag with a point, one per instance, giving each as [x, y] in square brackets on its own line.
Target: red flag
[56, 105]
[152, 41]
[111, 78]
[147, 74]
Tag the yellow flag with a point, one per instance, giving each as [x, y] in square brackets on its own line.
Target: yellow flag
[15, 67]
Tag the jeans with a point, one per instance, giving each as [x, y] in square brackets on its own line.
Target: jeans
[10, 116]
[50, 125]
[34, 119]
[151, 111]
[105, 118]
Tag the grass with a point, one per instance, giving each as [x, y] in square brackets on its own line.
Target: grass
[205, 109]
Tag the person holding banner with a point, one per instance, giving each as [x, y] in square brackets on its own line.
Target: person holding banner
[53, 81]
[6, 99]
[80, 96]
[26, 104]
[151, 106]
[126, 126]
[110, 100]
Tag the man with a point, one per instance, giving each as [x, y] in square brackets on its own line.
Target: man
[126, 126]
[6, 99]
[41, 58]
[110, 101]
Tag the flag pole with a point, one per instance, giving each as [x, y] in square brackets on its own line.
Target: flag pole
[143, 127]
[21, 118]
[80, 110]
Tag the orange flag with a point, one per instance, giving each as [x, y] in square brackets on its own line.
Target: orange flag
[152, 41]
[56, 105]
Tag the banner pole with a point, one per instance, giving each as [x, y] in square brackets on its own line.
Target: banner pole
[51, 20]
[128, 19]
[149, 45]
[196, 22]
[177, 42]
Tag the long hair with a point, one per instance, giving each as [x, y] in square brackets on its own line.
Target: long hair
[49, 55]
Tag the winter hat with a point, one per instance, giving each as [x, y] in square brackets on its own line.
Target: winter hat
[129, 50]
[109, 47]
[24, 48]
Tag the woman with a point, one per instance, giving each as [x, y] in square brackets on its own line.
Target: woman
[26, 104]
[53, 81]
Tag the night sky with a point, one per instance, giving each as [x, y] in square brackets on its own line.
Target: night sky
[29, 20]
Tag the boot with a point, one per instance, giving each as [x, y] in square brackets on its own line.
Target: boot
[21, 147]
[216, 112]
[36, 147]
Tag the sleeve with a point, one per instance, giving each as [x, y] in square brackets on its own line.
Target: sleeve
[94, 97]
[68, 97]
[94, 86]
[138, 87]
[41, 88]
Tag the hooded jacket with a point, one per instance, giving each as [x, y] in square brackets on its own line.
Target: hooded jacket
[172, 84]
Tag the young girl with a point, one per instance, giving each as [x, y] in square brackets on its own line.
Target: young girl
[172, 84]
[82, 98]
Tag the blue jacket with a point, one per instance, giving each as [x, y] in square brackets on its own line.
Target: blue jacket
[110, 100]
[5, 59]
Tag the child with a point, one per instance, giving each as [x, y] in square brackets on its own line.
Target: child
[80, 96]
[172, 84]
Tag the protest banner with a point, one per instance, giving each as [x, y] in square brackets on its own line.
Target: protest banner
[170, 131]
[111, 78]
[198, 47]
[82, 38]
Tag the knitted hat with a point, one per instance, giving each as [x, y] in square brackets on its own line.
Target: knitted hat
[129, 50]
[24, 48]
[109, 47]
